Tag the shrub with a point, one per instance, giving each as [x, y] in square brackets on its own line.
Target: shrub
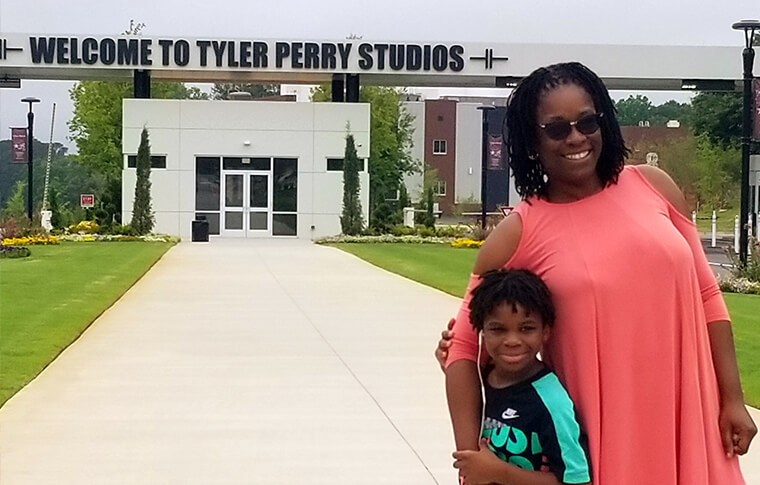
[452, 231]
[750, 271]
[403, 231]
[12, 252]
[121, 230]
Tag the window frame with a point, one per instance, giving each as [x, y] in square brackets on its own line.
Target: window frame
[442, 146]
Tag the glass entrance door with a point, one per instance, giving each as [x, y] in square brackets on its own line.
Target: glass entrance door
[247, 204]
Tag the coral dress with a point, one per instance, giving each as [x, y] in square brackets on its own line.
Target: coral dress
[634, 293]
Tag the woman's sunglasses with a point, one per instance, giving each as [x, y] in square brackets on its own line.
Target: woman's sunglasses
[558, 130]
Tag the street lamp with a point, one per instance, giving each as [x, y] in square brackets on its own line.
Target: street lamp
[484, 166]
[748, 55]
[29, 151]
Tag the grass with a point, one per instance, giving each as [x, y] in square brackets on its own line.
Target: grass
[744, 311]
[448, 269]
[48, 299]
[724, 222]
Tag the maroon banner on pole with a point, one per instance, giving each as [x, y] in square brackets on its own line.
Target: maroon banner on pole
[495, 148]
[18, 145]
[756, 109]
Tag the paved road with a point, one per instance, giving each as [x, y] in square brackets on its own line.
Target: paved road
[250, 362]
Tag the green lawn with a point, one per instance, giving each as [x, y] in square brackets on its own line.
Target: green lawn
[48, 299]
[448, 269]
[724, 222]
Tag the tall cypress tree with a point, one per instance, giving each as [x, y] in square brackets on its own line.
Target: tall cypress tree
[142, 214]
[351, 222]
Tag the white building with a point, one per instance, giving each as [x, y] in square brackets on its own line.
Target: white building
[250, 168]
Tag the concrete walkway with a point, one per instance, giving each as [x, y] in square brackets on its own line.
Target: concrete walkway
[247, 362]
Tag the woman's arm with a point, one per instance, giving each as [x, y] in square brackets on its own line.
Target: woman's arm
[462, 382]
[736, 426]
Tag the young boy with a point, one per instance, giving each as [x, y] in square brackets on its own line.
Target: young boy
[530, 426]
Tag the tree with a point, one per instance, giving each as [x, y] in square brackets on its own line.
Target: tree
[389, 152]
[671, 110]
[429, 218]
[142, 214]
[16, 206]
[718, 116]
[351, 221]
[223, 90]
[633, 109]
[54, 205]
[95, 127]
[719, 173]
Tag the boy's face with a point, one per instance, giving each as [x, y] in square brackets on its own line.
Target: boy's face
[513, 338]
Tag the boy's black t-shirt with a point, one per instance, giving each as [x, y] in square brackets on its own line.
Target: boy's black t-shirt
[533, 425]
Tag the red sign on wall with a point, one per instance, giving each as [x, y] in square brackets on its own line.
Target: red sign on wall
[18, 145]
[86, 200]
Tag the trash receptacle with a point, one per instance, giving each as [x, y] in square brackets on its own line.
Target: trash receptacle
[200, 231]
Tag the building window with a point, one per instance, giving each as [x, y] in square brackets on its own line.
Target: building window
[336, 164]
[392, 194]
[285, 197]
[439, 147]
[156, 161]
[439, 188]
[246, 163]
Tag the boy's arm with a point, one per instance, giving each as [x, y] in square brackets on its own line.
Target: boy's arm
[484, 467]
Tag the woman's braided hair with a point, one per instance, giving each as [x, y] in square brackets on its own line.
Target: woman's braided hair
[521, 126]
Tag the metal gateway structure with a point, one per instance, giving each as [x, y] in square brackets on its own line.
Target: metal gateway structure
[348, 63]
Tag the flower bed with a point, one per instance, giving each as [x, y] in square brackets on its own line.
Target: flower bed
[116, 238]
[30, 240]
[733, 284]
[466, 243]
[385, 238]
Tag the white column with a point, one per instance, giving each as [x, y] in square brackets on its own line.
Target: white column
[714, 227]
[409, 216]
[736, 234]
[749, 236]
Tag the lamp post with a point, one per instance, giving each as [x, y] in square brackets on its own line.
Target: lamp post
[484, 166]
[748, 55]
[29, 152]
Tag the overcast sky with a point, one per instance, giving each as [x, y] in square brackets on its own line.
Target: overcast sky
[656, 22]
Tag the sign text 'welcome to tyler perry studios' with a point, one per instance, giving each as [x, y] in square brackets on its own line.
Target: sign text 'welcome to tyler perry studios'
[291, 55]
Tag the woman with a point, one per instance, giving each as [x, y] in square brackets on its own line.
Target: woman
[642, 339]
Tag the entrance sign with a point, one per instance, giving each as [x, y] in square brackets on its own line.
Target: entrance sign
[33, 56]
[87, 200]
[18, 145]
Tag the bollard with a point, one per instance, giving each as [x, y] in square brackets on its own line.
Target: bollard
[409, 216]
[736, 234]
[714, 228]
[749, 237]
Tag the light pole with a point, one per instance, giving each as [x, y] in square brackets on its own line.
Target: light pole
[29, 152]
[748, 55]
[484, 166]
